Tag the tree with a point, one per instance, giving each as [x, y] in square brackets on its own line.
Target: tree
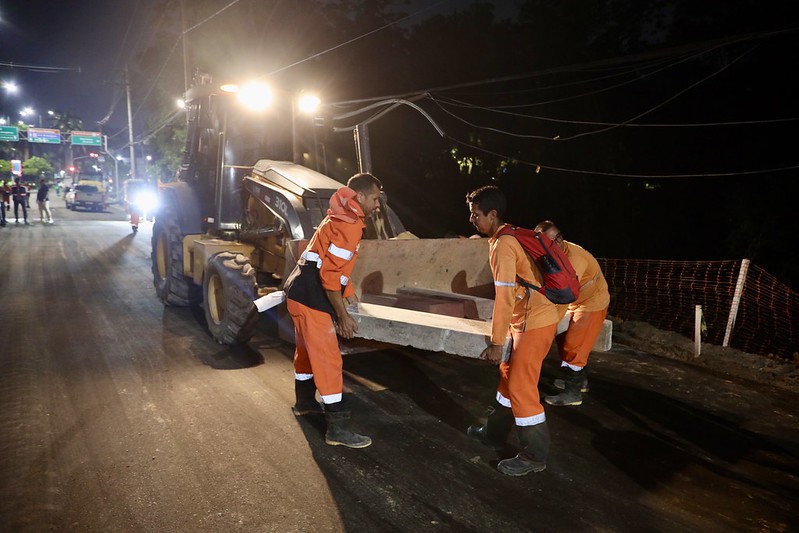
[37, 167]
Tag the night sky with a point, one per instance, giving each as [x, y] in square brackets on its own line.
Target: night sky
[83, 43]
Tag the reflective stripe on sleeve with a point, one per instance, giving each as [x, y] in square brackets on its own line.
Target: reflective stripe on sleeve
[505, 283]
[344, 280]
[302, 377]
[340, 252]
[501, 400]
[312, 257]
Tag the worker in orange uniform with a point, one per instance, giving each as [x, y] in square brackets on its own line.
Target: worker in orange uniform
[315, 292]
[586, 318]
[531, 320]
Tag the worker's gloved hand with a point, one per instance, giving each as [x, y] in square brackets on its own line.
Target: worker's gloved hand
[346, 326]
[492, 354]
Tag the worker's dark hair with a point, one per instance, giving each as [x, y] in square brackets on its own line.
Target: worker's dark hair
[544, 225]
[488, 198]
[548, 228]
[363, 182]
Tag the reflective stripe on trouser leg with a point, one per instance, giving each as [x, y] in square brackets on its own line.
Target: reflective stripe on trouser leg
[519, 376]
[317, 350]
[576, 343]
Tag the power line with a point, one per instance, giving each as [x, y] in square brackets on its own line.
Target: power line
[38, 68]
[677, 51]
[666, 101]
[540, 166]
[442, 101]
[381, 28]
[231, 4]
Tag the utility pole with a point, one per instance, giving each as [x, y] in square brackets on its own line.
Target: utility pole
[184, 37]
[130, 129]
[362, 149]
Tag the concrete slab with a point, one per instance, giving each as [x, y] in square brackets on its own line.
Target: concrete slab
[476, 307]
[457, 266]
[426, 331]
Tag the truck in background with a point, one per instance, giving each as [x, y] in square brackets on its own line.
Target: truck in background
[86, 194]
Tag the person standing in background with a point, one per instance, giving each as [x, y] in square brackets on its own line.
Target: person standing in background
[20, 194]
[43, 201]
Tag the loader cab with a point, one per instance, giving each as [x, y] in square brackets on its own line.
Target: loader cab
[224, 140]
[300, 197]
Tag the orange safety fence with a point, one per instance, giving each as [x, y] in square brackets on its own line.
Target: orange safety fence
[665, 293]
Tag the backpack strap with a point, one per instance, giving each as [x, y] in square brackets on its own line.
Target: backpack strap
[511, 230]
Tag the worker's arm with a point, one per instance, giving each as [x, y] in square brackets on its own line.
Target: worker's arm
[345, 324]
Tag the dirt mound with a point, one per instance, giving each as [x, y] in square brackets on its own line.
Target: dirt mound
[769, 370]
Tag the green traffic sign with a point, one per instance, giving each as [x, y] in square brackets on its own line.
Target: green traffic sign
[44, 136]
[9, 133]
[86, 138]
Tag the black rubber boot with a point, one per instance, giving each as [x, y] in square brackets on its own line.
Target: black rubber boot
[305, 398]
[571, 394]
[496, 428]
[533, 456]
[339, 432]
[560, 383]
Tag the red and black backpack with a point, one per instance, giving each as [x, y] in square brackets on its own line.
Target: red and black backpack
[561, 284]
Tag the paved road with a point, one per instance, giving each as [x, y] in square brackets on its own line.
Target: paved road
[117, 414]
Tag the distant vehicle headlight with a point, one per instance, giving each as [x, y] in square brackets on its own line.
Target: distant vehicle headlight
[147, 201]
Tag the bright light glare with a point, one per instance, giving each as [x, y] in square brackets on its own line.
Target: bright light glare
[308, 103]
[10, 87]
[146, 201]
[181, 103]
[26, 111]
[256, 96]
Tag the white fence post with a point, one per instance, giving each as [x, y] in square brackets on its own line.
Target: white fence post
[697, 330]
[736, 301]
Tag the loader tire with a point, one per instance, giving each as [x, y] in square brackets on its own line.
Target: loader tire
[171, 285]
[229, 288]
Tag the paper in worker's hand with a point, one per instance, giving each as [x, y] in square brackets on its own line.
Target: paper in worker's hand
[270, 300]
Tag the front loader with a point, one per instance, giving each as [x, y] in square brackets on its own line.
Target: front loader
[232, 225]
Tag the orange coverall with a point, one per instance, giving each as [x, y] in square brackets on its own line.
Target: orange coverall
[588, 312]
[532, 321]
[333, 250]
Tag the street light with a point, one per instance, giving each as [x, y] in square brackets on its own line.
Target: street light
[29, 111]
[10, 88]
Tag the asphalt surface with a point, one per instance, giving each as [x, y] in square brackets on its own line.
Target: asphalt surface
[118, 414]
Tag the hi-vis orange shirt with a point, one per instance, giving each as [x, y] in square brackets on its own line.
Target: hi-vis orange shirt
[514, 306]
[329, 258]
[594, 293]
